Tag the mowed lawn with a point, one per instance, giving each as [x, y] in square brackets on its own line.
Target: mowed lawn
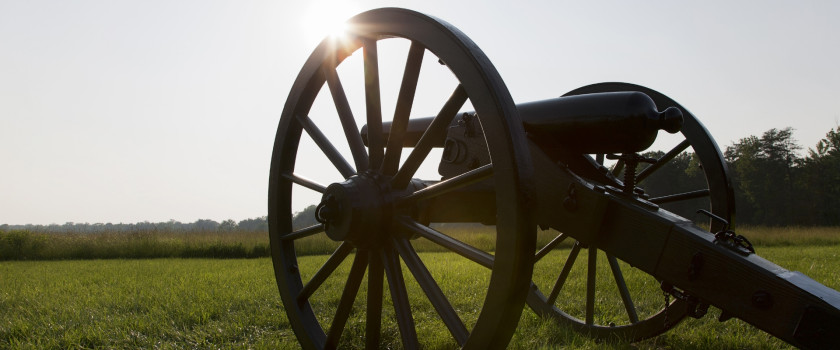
[234, 303]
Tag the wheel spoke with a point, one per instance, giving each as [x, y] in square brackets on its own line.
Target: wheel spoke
[373, 321]
[405, 100]
[345, 305]
[548, 247]
[619, 166]
[312, 185]
[599, 158]
[662, 160]
[472, 253]
[591, 272]
[326, 146]
[430, 287]
[325, 271]
[348, 122]
[376, 146]
[468, 178]
[435, 133]
[622, 289]
[399, 295]
[304, 232]
[681, 196]
[561, 280]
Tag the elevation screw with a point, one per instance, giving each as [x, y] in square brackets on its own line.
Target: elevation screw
[631, 161]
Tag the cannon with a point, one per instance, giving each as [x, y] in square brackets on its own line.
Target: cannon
[513, 169]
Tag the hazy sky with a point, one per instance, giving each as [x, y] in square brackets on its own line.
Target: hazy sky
[125, 111]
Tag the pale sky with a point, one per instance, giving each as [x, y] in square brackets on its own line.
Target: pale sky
[126, 111]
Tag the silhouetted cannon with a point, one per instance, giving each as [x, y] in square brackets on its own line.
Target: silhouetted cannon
[517, 168]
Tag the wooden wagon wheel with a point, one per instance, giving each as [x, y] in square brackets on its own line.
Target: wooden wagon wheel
[637, 324]
[370, 211]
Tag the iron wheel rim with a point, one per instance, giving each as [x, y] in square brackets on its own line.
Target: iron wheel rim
[722, 204]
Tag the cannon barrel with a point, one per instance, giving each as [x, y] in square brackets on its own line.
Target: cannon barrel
[611, 122]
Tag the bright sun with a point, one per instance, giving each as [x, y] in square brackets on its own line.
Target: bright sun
[326, 17]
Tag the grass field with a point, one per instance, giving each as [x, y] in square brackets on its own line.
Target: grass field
[234, 303]
[26, 245]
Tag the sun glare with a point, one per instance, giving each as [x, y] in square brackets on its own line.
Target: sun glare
[326, 18]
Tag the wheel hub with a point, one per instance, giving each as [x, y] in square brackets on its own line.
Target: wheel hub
[356, 210]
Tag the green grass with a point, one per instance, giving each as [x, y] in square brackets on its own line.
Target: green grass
[790, 235]
[27, 245]
[166, 303]
[234, 303]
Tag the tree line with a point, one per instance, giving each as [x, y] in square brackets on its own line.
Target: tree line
[258, 224]
[775, 183]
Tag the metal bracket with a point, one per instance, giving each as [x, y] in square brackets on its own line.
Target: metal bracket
[696, 308]
[735, 242]
[729, 238]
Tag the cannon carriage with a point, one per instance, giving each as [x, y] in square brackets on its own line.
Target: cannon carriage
[516, 168]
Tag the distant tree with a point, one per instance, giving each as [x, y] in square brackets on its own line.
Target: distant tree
[168, 226]
[145, 226]
[764, 171]
[259, 224]
[820, 181]
[205, 225]
[228, 225]
[304, 218]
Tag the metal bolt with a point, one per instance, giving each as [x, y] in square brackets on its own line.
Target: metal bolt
[570, 202]
[762, 299]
